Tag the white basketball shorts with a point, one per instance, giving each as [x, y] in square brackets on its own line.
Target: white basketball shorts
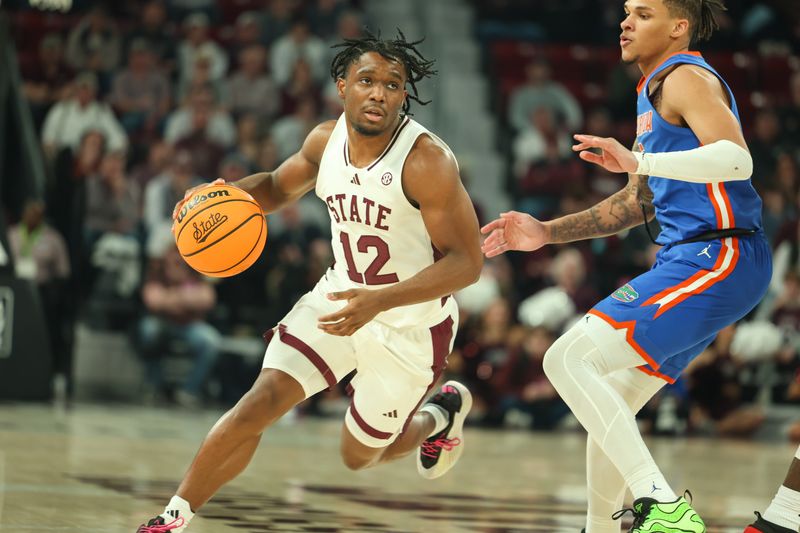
[395, 367]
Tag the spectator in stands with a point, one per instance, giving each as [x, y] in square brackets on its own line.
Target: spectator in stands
[483, 348]
[786, 179]
[544, 163]
[95, 44]
[324, 15]
[718, 405]
[201, 78]
[206, 152]
[177, 301]
[301, 86]
[250, 89]
[159, 155]
[538, 91]
[181, 9]
[765, 145]
[67, 194]
[540, 141]
[268, 153]
[246, 33]
[555, 307]
[289, 131]
[140, 93]
[622, 91]
[233, 168]
[790, 113]
[298, 43]
[40, 255]
[775, 212]
[219, 125]
[523, 390]
[163, 192]
[276, 20]
[198, 43]
[68, 120]
[112, 201]
[248, 139]
[349, 25]
[159, 34]
[46, 81]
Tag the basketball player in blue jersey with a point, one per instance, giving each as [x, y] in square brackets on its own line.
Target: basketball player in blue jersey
[405, 237]
[690, 169]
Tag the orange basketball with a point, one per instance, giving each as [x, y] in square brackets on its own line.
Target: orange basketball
[220, 231]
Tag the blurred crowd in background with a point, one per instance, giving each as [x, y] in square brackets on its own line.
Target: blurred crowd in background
[134, 102]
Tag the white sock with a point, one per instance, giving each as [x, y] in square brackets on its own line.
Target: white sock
[440, 417]
[178, 508]
[649, 482]
[785, 509]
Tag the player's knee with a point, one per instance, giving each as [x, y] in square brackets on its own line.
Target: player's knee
[554, 360]
[271, 396]
[356, 461]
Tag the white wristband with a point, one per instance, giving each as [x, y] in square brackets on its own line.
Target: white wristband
[717, 162]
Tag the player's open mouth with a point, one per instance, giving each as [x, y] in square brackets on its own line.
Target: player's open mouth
[624, 41]
[373, 116]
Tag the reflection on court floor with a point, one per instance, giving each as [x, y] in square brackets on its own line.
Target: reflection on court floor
[107, 469]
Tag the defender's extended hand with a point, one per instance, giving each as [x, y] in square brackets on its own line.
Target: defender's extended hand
[613, 156]
[513, 231]
[362, 306]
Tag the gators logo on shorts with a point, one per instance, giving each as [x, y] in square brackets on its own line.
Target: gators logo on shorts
[626, 294]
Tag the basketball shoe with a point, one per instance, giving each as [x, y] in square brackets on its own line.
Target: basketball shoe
[650, 515]
[763, 526]
[159, 524]
[439, 452]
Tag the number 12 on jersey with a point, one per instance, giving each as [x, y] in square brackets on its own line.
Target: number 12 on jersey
[371, 275]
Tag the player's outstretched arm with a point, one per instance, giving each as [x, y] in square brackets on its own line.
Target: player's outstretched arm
[291, 180]
[520, 231]
[430, 181]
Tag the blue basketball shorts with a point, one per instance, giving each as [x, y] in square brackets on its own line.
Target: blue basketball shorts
[675, 310]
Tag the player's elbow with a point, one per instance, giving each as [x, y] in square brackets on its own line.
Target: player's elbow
[741, 162]
[474, 267]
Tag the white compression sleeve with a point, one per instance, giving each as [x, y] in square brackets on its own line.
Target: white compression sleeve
[606, 485]
[719, 161]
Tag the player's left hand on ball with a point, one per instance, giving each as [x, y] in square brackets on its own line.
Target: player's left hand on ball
[613, 156]
[362, 306]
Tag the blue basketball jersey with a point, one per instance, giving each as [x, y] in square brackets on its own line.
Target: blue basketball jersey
[685, 209]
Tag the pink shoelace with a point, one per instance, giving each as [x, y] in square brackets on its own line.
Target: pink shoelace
[433, 448]
[175, 524]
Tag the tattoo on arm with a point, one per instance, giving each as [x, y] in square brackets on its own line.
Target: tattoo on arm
[621, 210]
[645, 197]
[617, 212]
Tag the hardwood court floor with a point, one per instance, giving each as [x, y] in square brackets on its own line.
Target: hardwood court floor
[106, 469]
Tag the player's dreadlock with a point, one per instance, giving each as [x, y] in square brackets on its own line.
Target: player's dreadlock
[702, 15]
[397, 49]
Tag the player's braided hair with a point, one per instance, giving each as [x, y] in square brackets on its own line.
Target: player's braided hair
[702, 15]
[397, 49]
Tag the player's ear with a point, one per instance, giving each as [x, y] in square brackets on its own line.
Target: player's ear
[680, 28]
[340, 87]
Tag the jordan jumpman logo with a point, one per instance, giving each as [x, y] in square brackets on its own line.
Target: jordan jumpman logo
[704, 251]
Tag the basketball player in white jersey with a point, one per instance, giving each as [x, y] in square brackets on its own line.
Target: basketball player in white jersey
[405, 237]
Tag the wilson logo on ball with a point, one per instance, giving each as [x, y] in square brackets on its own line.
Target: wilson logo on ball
[198, 199]
[206, 227]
